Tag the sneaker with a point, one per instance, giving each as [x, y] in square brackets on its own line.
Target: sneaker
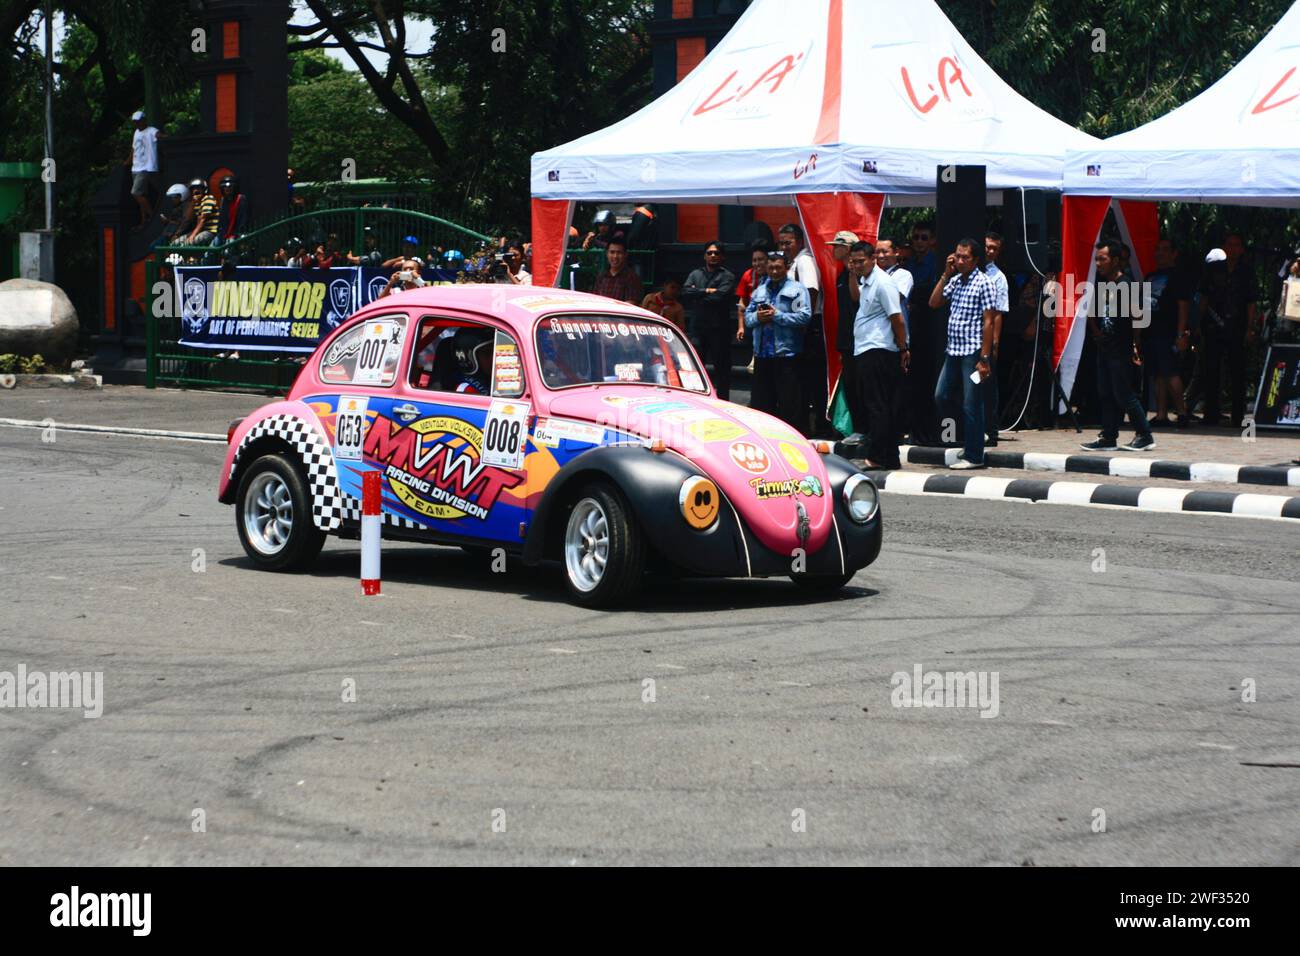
[1160, 423]
[1141, 443]
[961, 464]
[1101, 444]
[857, 438]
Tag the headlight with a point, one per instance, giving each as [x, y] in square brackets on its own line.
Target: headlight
[700, 502]
[861, 498]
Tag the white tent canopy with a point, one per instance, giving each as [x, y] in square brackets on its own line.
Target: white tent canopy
[1237, 142]
[818, 96]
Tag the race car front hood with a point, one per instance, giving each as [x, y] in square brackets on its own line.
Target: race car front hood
[776, 481]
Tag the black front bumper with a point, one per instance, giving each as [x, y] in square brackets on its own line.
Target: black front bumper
[731, 549]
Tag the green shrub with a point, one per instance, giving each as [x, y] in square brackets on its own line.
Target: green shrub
[32, 365]
[8, 363]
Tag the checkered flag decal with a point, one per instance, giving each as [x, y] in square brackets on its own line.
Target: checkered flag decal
[352, 512]
[328, 503]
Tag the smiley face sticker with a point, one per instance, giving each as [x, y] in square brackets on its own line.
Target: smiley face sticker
[699, 500]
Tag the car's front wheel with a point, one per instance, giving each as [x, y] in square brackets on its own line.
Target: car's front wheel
[603, 551]
[273, 515]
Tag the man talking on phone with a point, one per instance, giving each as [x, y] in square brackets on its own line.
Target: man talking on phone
[972, 306]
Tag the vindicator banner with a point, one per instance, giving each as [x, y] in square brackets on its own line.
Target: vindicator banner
[263, 308]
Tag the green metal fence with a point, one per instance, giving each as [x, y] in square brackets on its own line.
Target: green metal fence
[170, 363]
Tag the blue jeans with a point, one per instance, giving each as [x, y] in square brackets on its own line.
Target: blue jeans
[954, 378]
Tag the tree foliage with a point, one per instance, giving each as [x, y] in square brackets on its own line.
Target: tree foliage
[1153, 56]
[325, 99]
[496, 84]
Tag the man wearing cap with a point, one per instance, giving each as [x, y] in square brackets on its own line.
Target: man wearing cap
[846, 307]
[205, 214]
[144, 166]
[410, 244]
[1229, 325]
[600, 237]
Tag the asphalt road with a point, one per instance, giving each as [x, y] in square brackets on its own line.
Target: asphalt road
[483, 696]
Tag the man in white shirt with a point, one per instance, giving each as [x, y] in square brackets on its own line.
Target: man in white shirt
[144, 166]
[887, 259]
[1002, 297]
[803, 269]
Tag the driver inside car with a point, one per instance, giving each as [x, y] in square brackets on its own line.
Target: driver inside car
[473, 351]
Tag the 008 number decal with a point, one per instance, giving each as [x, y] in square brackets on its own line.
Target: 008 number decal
[505, 434]
[502, 436]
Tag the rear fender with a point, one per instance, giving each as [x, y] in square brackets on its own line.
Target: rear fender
[293, 429]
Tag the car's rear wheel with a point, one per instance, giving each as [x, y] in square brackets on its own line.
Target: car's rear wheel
[822, 583]
[273, 515]
[603, 552]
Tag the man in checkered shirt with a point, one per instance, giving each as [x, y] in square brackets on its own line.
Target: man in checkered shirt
[972, 306]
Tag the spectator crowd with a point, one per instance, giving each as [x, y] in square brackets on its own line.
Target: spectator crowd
[943, 347]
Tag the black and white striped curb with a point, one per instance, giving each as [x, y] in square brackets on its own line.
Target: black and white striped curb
[1087, 493]
[1117, 466]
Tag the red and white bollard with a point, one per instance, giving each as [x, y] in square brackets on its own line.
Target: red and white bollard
[370, 532]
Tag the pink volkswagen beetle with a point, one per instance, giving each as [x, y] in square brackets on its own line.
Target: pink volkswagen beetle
[556, 425]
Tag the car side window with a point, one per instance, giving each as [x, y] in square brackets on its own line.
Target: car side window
[367, 354]
[471, 358]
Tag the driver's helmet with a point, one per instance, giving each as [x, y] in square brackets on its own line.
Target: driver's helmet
[453, 259]
[178, 191]
[603, 216]
[473, 351]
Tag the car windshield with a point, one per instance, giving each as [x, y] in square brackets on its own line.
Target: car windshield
[593, 349]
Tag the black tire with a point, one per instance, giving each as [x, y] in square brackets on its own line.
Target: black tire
[622, 573]
[821, 583]
[303, 540]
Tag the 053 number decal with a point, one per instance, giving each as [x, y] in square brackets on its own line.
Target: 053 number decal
[350, 427]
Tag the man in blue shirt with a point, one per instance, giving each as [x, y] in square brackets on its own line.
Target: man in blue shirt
[778, 315]
[971, 309]
[880, 355]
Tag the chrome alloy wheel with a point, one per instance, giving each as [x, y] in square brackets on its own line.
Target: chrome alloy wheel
[586, 544]
[268, 513]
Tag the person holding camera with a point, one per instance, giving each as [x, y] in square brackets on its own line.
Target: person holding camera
[510, 266]
[407, 277]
